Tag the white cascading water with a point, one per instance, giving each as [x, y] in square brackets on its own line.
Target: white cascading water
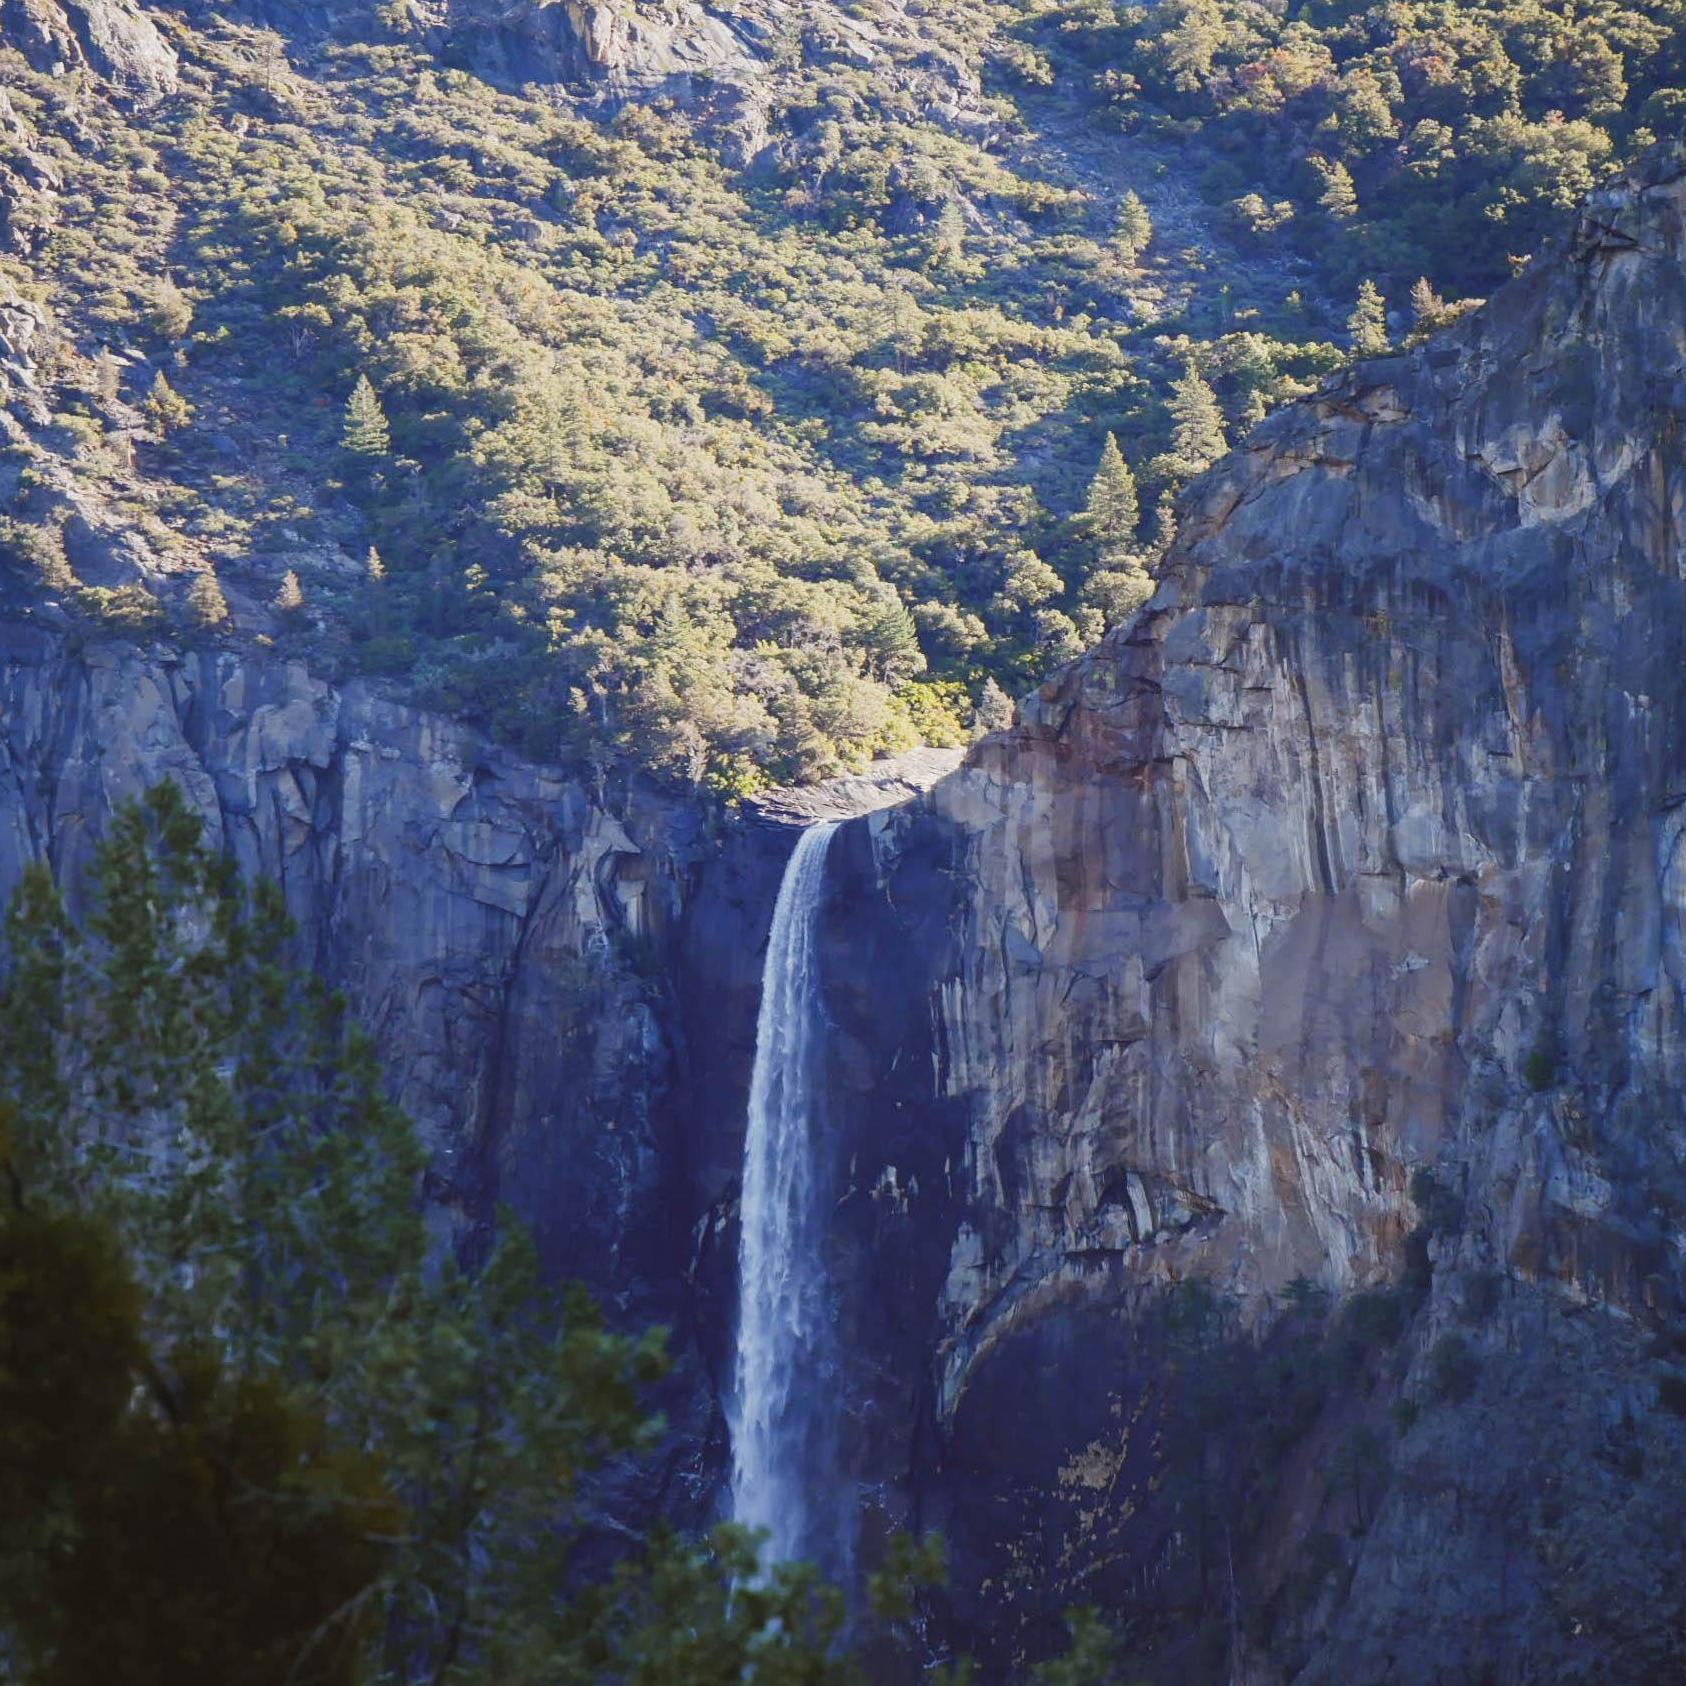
[785, 1385]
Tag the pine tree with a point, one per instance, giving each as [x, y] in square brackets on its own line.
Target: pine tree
[108, 377]
[1164, 523]
[365, 433]
[1197, 427]
[205, 600]
[253, 1426]
[1114, 510]
[904, 326]
[167, 408]
[995, 712]
[890, 643]
[1428, 309]
[164, 1070]
[948, 238]
[1368, 323]
[290, 598]
[1339, 197]
[1135, 228]
[374, 569]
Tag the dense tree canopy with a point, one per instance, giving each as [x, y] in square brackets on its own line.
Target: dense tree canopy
[1437, 136]
[750, 470]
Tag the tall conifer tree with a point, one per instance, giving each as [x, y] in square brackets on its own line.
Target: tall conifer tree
[365, 433]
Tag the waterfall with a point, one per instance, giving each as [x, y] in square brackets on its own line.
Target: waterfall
[784, 1413]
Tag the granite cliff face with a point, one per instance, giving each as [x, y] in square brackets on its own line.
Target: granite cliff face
[113, 39]
[619, 47]
[1365, 848]
[1361, 854]
[480, 911]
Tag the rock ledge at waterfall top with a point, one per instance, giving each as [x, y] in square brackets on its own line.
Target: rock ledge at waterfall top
[881, 784]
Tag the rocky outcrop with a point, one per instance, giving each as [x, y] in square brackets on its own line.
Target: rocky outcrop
[113, 39]
[22, 323]
[886, 783]
[620, 46]
[1360, 855]
[29, 186]
[729, 64]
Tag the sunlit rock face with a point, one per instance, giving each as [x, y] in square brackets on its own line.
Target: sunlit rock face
[619, 46]
[1275, 897]
[114, 39]
[1362, 851]
[728, 64]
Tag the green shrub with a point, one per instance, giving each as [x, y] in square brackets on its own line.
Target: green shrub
[129, 609]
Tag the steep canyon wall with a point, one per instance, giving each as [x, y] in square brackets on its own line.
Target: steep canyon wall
[1360, 854]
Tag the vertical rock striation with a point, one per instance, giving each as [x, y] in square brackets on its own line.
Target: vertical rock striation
[1361, 853]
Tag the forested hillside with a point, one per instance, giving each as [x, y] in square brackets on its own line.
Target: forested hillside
[747, 408]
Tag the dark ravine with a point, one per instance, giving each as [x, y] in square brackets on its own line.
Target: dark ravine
[516, 940]
[1361, 853]
[562, 976]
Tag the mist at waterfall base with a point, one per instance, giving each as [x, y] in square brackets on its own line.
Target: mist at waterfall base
[785, 1411]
